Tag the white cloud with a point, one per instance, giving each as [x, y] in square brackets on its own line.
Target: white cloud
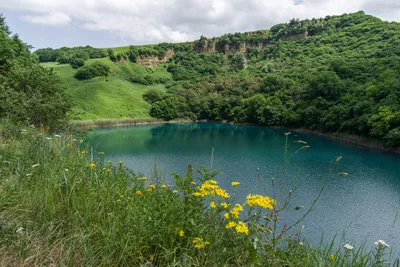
[156, 21]
[56, 18]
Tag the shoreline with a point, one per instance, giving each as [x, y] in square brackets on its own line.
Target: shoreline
[347, 138]
[88, 124]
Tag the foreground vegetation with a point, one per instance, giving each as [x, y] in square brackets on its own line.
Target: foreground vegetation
[65, 204]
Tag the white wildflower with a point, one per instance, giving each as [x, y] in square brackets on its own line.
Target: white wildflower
[381, 243]
[348, 247]
[48, 138]
[301, 243]
[57, 135]
[35, 165]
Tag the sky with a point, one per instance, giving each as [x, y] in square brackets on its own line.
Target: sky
[111, 23]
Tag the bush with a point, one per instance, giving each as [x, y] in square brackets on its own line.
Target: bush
[153, 95]
[94, 70]
[77, 63]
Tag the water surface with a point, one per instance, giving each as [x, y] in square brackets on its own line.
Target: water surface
[364, 204]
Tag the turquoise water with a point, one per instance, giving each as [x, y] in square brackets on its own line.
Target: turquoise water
[363, 204]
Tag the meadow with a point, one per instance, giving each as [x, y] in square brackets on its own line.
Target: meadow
[108, 97]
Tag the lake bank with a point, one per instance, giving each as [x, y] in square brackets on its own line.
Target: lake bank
[348, 138]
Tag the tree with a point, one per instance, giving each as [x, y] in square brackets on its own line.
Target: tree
[29, 93]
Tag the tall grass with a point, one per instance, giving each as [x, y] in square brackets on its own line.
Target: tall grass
[65, 205]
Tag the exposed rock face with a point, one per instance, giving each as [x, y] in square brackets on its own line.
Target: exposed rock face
[155, 61]
[209, 47]
[294, 37]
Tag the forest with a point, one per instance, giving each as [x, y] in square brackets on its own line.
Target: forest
[343, 78]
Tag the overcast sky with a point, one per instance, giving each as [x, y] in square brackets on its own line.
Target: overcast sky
[108, 23]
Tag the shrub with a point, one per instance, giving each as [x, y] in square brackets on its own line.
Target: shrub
[77, 63]
[94, 70]
[153, 95]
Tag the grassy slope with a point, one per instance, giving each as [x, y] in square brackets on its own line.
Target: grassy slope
[111, 97]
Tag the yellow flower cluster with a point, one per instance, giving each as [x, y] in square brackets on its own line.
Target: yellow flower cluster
[234, 184]
[332, 257]
[139, 193]
[181, 233]
[164, 186]
[225, 205]
[84, 152]
[234, 213]
[151, 188]
[100, 153]
[199, 243]
[211, 188]
[242, 228]
[213, 205]
[230, 225]
[142, 179]
[92, 165]
[261, 201]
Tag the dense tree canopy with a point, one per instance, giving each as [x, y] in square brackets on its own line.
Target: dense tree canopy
[29, 93]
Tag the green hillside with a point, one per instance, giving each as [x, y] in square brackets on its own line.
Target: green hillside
[108, 97]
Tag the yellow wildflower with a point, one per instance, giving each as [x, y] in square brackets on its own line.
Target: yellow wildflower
[185, 191]
[199, 194]
[92, 165]
[181, 233]
[142, 179]
[230, 225]
[199, 243]
[332, 257]
[100, 153]
[242, 228]
[194, 183]
[121, 196]
[151, 188]
[234, 213]
[226, 215]
[163, 186]
[175, 191]
[261, 201]
[139, 193]
[108, 170]
[213, 205]
[234, 184]
[225, 205]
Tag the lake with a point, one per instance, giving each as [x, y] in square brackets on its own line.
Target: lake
[364, 204]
